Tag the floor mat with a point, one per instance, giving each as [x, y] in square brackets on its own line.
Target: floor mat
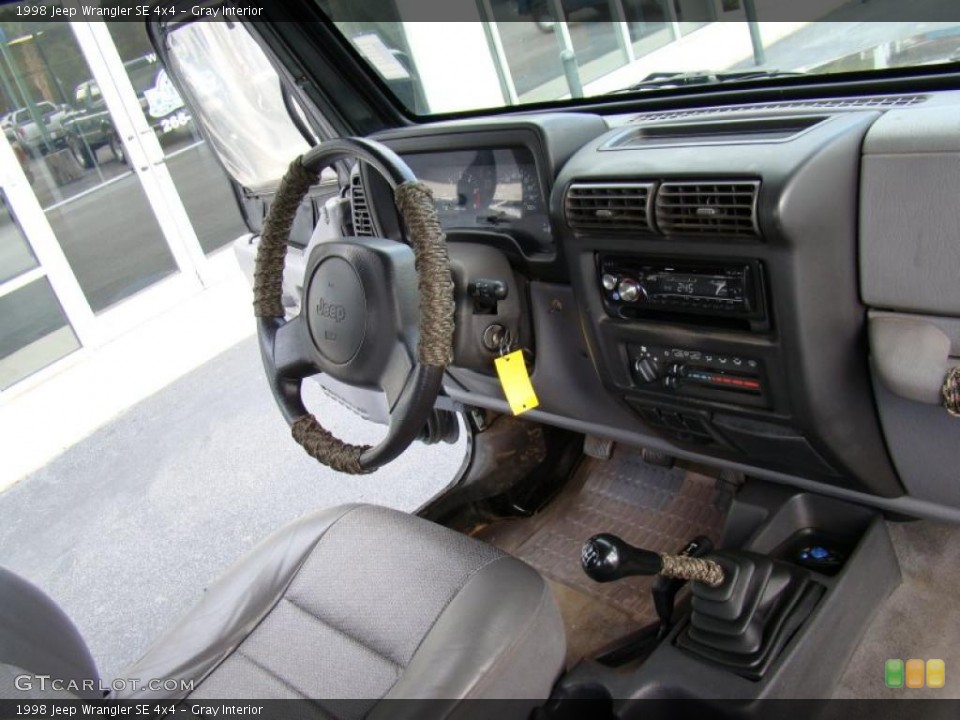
[919, 620]
[652, 507]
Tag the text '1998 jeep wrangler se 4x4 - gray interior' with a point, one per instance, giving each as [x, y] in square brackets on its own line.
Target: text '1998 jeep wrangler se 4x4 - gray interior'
[687, 277]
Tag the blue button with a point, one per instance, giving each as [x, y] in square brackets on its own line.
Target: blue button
[819, 553]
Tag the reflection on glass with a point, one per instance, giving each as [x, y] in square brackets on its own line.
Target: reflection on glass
[34, 332]
[112, 241]
[530, 48]
[207, 197]
[203, 186]
[16, 256]
[69, 148]
[54, 116]
[533, 48]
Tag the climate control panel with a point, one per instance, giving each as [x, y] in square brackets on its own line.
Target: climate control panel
[698, 373]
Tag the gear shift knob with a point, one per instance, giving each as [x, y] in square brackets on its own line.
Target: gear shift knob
[606, 558]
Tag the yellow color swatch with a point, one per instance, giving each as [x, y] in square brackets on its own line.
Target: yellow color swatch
[914, 673]
[936, 673]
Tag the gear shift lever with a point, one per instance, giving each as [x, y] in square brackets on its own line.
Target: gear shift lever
[665, 589]
[606, 558]
[745, 607]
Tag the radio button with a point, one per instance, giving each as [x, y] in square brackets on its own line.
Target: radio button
[631, 291]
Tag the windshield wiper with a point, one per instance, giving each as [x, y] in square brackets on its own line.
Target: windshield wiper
[662, 80]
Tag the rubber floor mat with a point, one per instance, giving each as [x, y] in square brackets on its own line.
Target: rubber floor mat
[648, 506]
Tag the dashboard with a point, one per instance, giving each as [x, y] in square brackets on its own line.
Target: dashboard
[702, 282]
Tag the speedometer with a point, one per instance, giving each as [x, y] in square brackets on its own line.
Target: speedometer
[490, 188]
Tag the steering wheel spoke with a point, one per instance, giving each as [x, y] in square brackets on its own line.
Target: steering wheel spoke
[398, 375]
[293, 357]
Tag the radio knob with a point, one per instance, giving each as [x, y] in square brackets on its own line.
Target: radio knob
[647, 368]
[631, 291]
[609, 281]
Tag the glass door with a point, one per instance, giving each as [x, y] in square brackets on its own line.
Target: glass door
[123, 192]
[194, 169]
[43, 316]
[62, 124]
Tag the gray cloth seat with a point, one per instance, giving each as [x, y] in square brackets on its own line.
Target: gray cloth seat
[365, 603]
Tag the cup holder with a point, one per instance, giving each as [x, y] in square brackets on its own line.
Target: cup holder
[817, 550]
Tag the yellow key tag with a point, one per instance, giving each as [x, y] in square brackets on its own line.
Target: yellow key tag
[516, 382]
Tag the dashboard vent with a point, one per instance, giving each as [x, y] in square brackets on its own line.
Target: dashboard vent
[362, 219]
[715, 208]
[856, 103]
[609, 206]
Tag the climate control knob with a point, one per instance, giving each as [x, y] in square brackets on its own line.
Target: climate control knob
[646, 368]
[631, 291]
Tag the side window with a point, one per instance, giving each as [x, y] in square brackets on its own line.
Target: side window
[235, 94]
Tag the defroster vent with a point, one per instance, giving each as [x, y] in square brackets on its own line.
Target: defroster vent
[362, 220]
[609, 206]
[714, 208]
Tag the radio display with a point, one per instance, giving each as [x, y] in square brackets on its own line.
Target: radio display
[707, 286]
[636, 287]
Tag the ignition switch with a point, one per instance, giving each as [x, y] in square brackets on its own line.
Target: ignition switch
[493, 337]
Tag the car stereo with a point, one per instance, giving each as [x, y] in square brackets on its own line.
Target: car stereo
[636, 286]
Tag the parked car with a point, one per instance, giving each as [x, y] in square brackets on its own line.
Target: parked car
[90, 127]
[6, 122]
[31, 137]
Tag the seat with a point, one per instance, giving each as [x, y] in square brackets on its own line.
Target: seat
[357, 601]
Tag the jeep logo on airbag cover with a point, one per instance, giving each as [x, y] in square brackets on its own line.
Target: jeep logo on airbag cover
[336, 309]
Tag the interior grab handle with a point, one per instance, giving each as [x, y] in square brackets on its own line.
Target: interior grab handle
[912, 359]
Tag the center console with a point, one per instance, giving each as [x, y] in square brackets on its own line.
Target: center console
[800, 578]
[717, 284]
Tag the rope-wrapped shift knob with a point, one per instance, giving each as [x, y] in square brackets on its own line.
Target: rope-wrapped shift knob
[606, 558]
[687, 568]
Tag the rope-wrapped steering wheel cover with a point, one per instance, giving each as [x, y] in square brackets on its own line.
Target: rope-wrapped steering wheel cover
[951, 392]
[435, 290]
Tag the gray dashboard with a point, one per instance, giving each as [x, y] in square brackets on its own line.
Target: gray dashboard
[853, 215]
[910, 272]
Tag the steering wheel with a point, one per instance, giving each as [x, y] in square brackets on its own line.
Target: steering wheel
[375, 313]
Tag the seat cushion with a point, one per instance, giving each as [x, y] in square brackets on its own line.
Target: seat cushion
[364, 602]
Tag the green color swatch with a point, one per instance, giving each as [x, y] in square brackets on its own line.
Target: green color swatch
[893, 673]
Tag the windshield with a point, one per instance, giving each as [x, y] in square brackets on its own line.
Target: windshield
[517, 52]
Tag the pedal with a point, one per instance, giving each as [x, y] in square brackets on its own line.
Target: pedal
[728, 485]
[597, 447]
[655, 457]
